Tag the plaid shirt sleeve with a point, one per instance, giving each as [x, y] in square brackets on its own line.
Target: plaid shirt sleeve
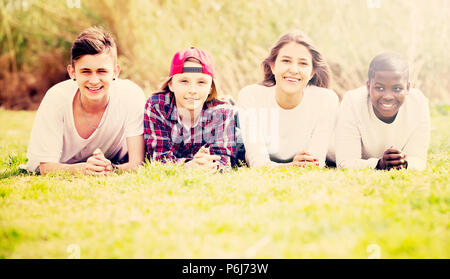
[223, 142]
[157, 130]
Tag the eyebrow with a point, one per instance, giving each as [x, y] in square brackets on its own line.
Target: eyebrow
[88, 69]
[287, 56]
[397, 85]
[204, 77]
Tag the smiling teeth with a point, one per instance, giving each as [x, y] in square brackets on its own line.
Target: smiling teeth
[387, 106]
[291, 79]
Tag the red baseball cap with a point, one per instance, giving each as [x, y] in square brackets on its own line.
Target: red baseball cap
[180, 57]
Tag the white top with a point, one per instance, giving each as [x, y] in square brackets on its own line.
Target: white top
[273, 134]
[362, 138]
[54, 137]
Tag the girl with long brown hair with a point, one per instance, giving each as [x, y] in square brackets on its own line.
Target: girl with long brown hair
[288, 118]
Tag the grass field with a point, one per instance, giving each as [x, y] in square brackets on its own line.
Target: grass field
[167, 212]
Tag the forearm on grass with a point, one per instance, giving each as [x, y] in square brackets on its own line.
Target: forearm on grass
[47, 167]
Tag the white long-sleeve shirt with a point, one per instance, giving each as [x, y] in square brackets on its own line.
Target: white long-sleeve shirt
[273, 135]
[362, 138]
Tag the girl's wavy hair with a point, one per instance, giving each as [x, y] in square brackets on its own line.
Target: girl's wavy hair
[321, 70]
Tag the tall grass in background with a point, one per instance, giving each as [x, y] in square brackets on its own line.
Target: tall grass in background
[239, 34]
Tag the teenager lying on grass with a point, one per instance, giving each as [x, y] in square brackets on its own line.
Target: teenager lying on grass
[93, 122]
[186, 123]
[384, 124]
[289, 117]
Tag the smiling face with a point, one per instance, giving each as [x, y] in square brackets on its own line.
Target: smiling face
[293, 68]
[191, 89]
[387, 91]
[94, 74]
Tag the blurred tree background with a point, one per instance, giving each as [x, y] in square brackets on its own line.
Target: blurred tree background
[36, 36]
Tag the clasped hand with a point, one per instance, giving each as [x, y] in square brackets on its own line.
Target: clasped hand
[97, 164]
[204, 159]
[303, 159]
[392, 159]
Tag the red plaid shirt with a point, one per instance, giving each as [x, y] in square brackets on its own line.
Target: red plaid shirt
[167, 139]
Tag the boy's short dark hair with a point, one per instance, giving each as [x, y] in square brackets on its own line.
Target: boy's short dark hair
[388, 62]
[93, 40]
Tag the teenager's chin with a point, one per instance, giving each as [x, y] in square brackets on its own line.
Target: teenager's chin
[387, 116]
[96, 89]
[292, 90]
[189, 108]
[95, 94]
[194, 105]
[195, 108]
[387, 112]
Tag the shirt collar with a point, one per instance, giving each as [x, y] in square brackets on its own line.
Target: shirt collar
[170, 101]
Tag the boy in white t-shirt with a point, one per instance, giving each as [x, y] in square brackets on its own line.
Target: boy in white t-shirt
[384, 125]
[94, 122]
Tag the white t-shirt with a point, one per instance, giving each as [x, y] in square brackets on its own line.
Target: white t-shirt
[362, 138]
[54, 137]
[273, 134]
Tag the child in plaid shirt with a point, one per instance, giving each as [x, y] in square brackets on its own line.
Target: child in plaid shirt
[186, 123]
